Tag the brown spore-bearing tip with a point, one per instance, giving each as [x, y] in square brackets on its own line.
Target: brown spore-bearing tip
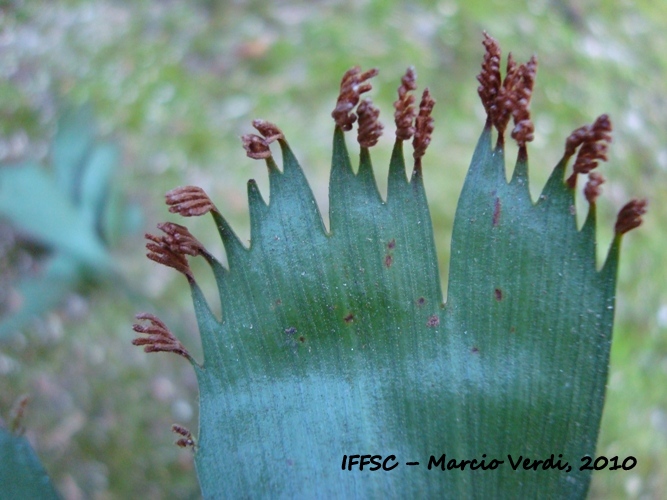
[630, 216]
[405, 113]
[509, 97]
[189, 201]
[180, 240]
[256, 147]
[423, 127]
[163, 250]
[187, 440]
[269, 131]
[489, 78]
[353, 84]
[159, 338]
[17, 414]
[523, 126]
[593, 143]
[592, 189]
[370, 129]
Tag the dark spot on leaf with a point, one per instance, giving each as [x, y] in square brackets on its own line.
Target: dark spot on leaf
[302, 339]
[391, 244]
[349, 318]
[290, 331]
[496, 212]
[499, 294]
[512, 330]
[433, 321]
[421, 301]
[474, 350]
[388, 260]
[279, 302]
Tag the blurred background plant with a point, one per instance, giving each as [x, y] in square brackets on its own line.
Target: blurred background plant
[179, 82]
[70, 212]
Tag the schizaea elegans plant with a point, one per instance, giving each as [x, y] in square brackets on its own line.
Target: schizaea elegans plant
[335, 343]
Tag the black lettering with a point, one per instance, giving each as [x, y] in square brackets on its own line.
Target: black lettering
[384, 464]
[587, 465]
[375, 460]
[599, 466]
[633, 463]
[558, 464]
[365, 460]
[344, 460]
[433, 462]
[354, 460]
[513, 464]
[495, 464]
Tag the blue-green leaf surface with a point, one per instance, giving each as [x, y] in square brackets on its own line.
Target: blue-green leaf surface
[22, 475]
[339, 343]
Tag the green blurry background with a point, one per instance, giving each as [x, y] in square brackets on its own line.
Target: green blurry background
[176, 83]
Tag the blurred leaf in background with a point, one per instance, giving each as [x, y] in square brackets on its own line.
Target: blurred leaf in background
[71, 210]
[183, 80]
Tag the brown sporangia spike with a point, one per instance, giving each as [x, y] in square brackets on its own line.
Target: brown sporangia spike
[423, 127]
[523, 126]
[370, 129]
[405, 113]
[160, 251]
[269, 131]
[187, 440]
[159, 338]
[592, 189]
[353, 84]
[489, 78]
[594, 141]
[17, 414]
[630, 216]
[503, 108]
[509, 98]
[256, 147]
[180, 240]
[189, 201]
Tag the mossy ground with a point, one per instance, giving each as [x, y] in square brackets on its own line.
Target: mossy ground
[178, 83]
